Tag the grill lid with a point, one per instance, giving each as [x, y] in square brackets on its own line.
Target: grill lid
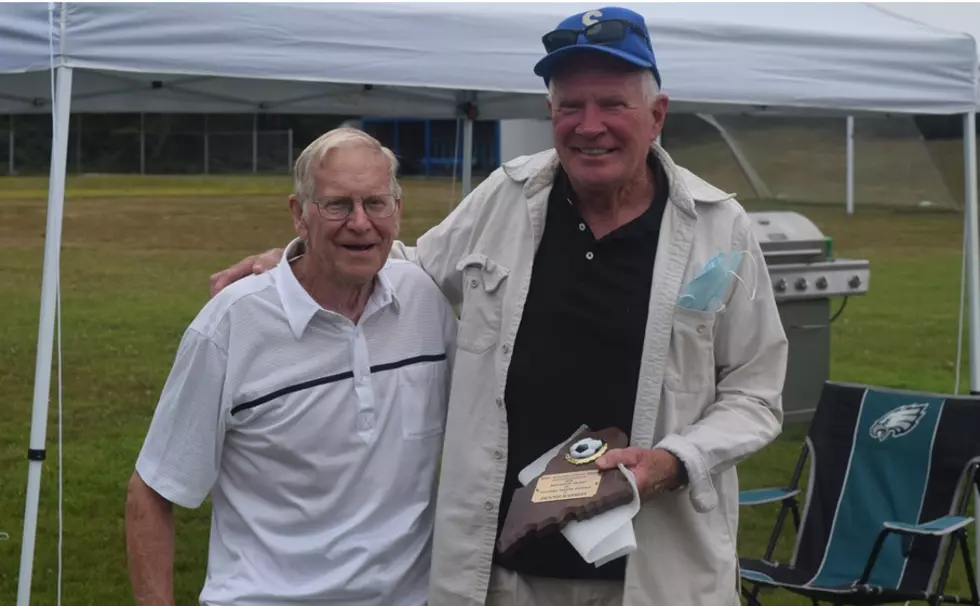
[789, 237]
[800, 259]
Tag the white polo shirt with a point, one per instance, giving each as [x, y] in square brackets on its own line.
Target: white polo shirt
[316, 438]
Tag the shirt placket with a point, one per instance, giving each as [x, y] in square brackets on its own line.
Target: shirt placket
[366, 410]
[367, 413]
[583, 235]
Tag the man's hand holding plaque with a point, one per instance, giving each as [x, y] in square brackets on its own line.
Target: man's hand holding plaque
[571, 488]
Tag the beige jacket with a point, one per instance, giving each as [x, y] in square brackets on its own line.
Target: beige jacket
[709, 387]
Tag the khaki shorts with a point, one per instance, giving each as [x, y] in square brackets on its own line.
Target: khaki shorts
[508, 588]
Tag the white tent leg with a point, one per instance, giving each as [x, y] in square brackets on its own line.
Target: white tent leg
[973, 267]
[467, 157]
[972, 243]
[45, 337]
[850, 165]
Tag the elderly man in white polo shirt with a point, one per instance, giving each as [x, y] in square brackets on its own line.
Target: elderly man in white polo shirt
[310, 403]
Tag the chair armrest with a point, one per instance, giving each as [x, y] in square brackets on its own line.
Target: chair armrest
[937, 528]
[761, 496]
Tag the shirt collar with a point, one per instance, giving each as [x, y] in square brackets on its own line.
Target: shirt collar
[651, 217]
[300, 307]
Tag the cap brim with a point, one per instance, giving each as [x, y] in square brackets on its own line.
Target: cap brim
[546, 66]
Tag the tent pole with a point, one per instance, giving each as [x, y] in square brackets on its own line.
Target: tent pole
[850, 165]
[973, 246]
[45, 338]
[972, 265]
[467, 156]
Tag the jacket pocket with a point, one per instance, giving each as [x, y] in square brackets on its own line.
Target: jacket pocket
[691, 357]
[479, 320]
[424, 402]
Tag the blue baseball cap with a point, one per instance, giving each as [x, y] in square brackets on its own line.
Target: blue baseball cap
[615, 31]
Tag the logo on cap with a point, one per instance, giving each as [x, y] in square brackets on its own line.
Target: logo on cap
[591, 17]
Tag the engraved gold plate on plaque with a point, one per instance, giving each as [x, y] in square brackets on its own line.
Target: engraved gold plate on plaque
[565, 486]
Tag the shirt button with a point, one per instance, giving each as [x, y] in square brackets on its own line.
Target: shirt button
[701, 328]
[500, 402]
[488, 505]
[473, 283]
[506, 348]
[581, 226]
[589, 255]
[497, 454]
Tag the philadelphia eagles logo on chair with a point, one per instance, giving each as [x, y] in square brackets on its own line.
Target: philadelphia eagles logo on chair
[899, 421]
[886, 505]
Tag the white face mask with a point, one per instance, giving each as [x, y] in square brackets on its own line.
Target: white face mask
[705, 291]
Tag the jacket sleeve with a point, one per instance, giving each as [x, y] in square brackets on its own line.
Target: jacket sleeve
[439, 250]
[750, 358]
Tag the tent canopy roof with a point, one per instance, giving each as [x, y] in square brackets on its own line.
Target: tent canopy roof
[424, 59]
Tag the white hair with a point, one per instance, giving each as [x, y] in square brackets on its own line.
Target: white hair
[648, 86]
[304, 181]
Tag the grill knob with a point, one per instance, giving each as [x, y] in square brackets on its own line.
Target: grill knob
[781, 285]
[822, 282]
[854, 282]
[801, 284]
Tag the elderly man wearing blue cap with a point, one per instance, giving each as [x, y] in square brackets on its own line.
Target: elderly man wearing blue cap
[600, 284]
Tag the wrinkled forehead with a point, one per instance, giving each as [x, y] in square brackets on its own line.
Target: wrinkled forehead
[353, 171]
[597, 77]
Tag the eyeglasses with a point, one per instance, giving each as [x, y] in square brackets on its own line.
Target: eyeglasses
[603, 32]
[338, 208]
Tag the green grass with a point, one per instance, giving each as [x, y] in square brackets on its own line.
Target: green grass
[136, 258]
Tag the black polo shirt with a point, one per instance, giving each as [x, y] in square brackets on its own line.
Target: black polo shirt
[576, 358]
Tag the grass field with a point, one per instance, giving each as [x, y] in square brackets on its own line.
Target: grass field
[136, 258]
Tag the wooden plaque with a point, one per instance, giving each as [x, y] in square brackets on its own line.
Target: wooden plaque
[571, 488]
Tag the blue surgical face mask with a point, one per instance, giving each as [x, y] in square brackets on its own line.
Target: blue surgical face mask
[706, 291]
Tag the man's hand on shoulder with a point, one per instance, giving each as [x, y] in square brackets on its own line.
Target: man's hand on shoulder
[655, 469]
[253, 264]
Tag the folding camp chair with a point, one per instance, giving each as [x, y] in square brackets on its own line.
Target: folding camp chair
[889, 485]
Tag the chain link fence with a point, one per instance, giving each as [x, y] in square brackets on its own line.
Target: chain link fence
[97, 144]
[122, 152]
[897, 162]
[7, 146]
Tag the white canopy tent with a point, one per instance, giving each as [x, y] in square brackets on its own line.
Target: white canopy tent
[429, 60]
[423, 59]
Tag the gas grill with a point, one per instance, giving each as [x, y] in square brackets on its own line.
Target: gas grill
[805, 276]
